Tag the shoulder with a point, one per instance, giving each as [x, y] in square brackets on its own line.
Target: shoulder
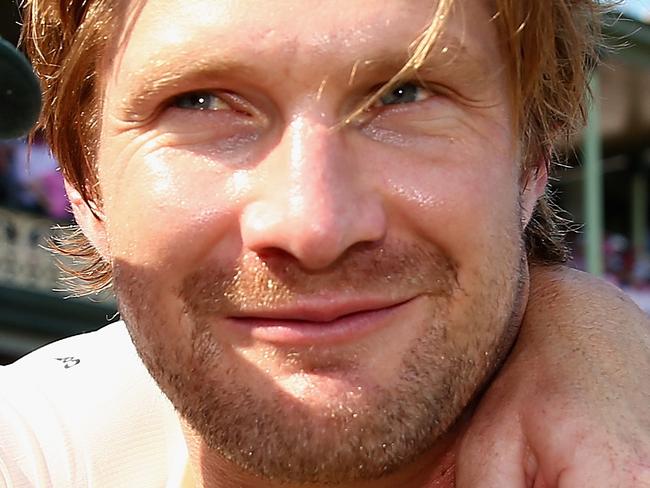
[80, 370]
[85, 352]
[585, 313]
[555, 288]
[83, 409]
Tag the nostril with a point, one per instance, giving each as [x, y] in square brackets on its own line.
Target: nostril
[274, 254]
[315, 237]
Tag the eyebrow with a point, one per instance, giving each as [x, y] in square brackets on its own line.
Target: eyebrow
[162, 75]
[444, 53]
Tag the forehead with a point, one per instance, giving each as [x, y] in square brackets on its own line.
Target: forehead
[305, 20]
[284, 33]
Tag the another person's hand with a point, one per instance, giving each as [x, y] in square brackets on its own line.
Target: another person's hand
[571, 406]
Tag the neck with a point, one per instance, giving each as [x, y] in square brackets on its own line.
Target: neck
[434, 469]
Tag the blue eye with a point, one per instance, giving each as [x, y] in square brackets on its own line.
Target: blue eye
[199, 101]
[404, 93]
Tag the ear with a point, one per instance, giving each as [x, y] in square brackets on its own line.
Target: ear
[90, 219]
[533, 187]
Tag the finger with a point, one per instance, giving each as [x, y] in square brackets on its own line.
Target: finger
[572, 456]
[605, 468]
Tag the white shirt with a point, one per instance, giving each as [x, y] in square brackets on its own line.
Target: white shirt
[84, 412]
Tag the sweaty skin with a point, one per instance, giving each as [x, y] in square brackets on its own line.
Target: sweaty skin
[320, 303]
[363, 281]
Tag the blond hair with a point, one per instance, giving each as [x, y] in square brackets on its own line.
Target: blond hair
[550, 48]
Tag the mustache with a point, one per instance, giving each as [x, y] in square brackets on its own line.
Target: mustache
[392, 272]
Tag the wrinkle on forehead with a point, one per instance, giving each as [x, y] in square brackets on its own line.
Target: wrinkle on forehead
[224, 14]
[148, 24]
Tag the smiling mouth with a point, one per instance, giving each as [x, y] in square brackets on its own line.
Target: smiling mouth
[313, 325]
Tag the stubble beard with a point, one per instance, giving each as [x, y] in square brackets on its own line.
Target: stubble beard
[362, 435]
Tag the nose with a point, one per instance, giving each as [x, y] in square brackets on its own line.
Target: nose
[315, 198]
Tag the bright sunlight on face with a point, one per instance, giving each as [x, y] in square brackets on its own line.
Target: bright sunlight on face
[320, 302]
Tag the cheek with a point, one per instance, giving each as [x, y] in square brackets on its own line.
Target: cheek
[170, 207]
[465, 200]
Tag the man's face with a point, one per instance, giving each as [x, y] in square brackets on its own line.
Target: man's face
[320, 302]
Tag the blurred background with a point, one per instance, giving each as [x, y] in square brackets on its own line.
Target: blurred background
[604, 190]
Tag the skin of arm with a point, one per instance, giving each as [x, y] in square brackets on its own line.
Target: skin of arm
[571, 405]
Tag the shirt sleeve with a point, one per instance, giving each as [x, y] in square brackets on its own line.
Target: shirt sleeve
[84, 412]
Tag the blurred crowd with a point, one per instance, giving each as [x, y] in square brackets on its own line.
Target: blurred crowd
[623, 266]
[30, 180]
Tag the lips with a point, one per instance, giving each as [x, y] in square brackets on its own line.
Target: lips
[325, 323]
